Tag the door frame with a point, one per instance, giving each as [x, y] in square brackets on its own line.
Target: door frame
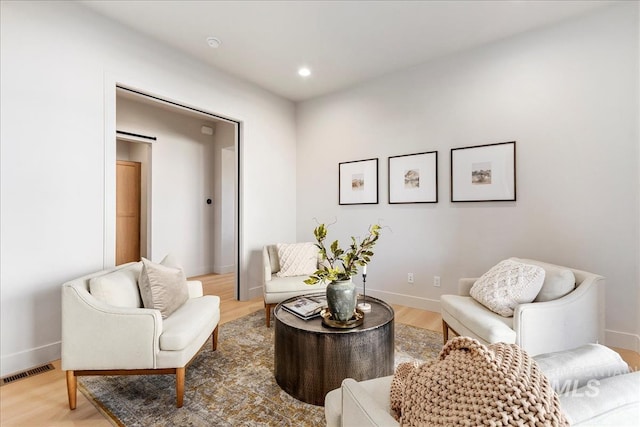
[147, 142]
[109, 155]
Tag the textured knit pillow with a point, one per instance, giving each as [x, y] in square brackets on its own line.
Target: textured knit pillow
[297, 259]
[508, 284]
[471, 384]
[162, 288]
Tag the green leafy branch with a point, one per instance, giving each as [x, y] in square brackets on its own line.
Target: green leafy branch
[338, 264]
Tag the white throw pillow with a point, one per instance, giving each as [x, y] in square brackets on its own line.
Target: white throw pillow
[297, 259]
[508, 284]
[119, 288]
[272, 251]
[162, 288]
[170, 260]
[558, 282]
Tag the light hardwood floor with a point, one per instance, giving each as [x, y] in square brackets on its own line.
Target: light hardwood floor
[41, 400]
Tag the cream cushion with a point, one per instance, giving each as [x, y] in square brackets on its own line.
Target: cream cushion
[558, 282]
[468, 317]
[365, 403]
[611, 401]
[162, 288]
[119, 288]
[576, 367]
[297, 259]
[185, 324]
[508, 284]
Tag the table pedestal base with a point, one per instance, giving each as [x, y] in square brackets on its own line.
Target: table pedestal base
[311, 359]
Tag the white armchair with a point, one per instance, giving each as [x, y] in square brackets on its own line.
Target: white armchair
[570, 321]
[100, 338]
[277, 289]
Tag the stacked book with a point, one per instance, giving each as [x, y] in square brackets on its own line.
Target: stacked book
[306, 307]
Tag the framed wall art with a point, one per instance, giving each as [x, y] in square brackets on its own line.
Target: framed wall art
[358, 182]
[413, 178]
[484, 173]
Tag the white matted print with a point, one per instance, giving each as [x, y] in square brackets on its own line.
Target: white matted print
[484, 173]
[358, 182]
[413, 178]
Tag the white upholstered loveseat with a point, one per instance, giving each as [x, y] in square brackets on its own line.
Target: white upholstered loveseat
[112, 334]
[594, 386]
[562, 323]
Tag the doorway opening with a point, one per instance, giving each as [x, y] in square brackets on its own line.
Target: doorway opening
[133, 192]
[189, 183]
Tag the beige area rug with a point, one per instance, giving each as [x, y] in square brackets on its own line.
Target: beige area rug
[233, 386]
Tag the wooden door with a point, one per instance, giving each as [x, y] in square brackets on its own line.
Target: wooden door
[127, 211]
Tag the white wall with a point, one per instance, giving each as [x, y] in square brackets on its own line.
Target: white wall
[60, 63]
[567, 94]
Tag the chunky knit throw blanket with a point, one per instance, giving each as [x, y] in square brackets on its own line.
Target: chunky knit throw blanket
[474, 385]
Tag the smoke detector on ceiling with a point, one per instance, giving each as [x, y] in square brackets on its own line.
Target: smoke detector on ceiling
[213, 42]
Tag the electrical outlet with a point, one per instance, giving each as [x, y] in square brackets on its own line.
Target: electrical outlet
[436, 281]
[409, 277]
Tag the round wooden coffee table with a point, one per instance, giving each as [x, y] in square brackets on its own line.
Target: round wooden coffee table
[312, 359]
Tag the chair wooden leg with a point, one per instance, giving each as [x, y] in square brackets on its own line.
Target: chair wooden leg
[214, 339]
[180, 374]
[445, 331]
[267, 313]
[72, 389]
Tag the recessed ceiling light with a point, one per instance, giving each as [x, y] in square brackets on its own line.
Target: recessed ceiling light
[304, 72]
[213, 42]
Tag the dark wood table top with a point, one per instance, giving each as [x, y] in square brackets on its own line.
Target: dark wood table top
[381, 313]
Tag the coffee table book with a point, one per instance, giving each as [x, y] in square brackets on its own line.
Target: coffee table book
[306, 307]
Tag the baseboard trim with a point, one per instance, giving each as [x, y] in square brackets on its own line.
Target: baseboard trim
[27, 359]
[612, 338]
[622, 340]
[406, 300]
[224, 269]
[255, 292]
[389, 297]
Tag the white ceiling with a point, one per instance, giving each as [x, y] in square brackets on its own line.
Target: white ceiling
[343, 42]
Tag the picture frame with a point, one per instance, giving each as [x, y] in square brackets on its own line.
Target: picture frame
[484, 173]
[413, 178]
[358, 182]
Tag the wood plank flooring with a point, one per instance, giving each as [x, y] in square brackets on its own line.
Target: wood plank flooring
[41, 400]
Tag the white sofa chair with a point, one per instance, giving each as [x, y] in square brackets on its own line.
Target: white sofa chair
[277, 289]
[119, 337]
[567, 322]
[593, 384]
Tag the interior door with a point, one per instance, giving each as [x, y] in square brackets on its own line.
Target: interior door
[127, 211]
